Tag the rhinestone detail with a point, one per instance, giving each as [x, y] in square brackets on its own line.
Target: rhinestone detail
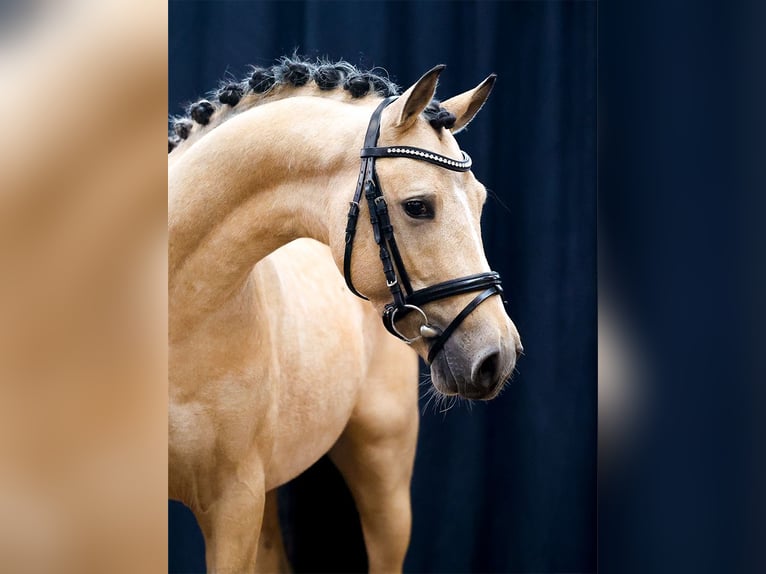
[431, 156]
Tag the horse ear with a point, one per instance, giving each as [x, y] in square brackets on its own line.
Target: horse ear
[411, 103]
[467, 105]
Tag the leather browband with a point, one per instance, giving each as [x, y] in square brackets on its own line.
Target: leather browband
[421, 154]
[405, 300]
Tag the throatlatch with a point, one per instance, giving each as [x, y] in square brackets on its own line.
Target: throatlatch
[405, 300]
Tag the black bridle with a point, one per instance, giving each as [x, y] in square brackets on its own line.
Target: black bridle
[407, 301]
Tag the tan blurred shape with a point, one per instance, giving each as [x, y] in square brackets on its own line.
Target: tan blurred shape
[622, 368]
[83, 293]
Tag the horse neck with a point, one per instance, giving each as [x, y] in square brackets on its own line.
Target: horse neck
[260, 180]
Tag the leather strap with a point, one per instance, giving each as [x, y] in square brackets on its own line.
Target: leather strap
[439, 342]
[420, 154]
[366, 173]
[454, 287]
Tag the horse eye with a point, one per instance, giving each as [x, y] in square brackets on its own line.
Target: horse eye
[418, 209]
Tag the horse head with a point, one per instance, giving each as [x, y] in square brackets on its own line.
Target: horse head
[422, 224]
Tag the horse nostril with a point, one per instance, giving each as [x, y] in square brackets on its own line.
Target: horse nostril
[485, 375]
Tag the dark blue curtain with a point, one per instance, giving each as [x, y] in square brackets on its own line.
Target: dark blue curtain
[510, 485]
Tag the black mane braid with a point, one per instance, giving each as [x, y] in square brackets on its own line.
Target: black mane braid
[297, 72]
[438, 117]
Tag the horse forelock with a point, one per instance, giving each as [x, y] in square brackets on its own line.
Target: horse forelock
[289, 77]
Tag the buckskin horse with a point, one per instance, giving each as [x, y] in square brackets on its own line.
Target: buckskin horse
[286, 247]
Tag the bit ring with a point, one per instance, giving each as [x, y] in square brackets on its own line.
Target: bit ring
[414, 308]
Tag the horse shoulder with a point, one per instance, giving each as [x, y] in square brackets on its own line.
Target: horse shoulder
[320, 352]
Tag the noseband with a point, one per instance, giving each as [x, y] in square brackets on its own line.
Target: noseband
[405, 300]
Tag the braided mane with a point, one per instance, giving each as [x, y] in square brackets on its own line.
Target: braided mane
[288, 77]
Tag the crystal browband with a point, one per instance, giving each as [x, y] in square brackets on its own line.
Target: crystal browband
[422, 154]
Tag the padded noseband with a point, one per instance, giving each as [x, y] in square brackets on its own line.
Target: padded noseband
[405, 300]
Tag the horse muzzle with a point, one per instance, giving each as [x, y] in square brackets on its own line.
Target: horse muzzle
[473, 375]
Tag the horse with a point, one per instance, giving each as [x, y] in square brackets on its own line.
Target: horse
[277, 351]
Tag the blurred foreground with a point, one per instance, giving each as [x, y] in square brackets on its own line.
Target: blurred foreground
[83, 290]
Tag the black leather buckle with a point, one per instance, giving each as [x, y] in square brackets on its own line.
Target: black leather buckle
[353, 211]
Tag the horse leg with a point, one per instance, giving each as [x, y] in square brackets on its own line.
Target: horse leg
[271, 549]
[231, 527]
[376, 455]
